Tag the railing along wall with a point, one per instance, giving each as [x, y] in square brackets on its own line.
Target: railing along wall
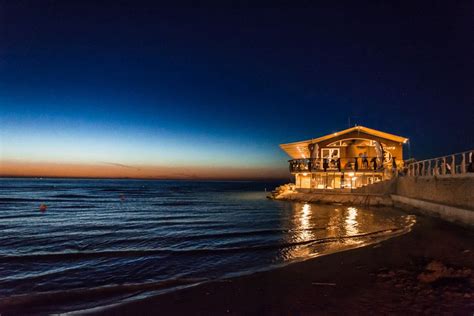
[460, 163]
[340, 164]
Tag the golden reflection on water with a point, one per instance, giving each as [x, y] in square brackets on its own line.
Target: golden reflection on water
[305, 225]
[302, 231]
[319, 229]
[351, 224]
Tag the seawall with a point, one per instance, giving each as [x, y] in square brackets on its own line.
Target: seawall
[448, 197]
[455, 191]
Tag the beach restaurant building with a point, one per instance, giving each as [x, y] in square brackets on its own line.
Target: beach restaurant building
[351, 158]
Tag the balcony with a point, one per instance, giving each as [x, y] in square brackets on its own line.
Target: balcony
[346, 164]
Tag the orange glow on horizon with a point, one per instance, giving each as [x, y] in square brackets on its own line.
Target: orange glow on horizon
[106, 170]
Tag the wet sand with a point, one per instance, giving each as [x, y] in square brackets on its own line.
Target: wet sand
[427, 271]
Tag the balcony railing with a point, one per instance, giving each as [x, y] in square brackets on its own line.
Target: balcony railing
[338, 164]
[461, 163]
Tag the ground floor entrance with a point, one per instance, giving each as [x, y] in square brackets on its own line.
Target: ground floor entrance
[337, 180]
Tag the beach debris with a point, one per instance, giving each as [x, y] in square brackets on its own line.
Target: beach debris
[43, 207]
[323, 283]
[436, 270]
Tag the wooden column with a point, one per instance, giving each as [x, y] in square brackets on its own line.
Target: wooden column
[453, 164]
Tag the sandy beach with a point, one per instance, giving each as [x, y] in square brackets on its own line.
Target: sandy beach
[427, 271]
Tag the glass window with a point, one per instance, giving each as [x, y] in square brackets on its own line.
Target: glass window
[330, 153]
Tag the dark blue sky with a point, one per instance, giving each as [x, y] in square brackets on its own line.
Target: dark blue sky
[226, 85]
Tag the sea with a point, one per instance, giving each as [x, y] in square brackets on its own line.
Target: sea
[73, 246]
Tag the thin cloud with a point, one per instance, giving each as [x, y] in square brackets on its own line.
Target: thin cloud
[120, 165]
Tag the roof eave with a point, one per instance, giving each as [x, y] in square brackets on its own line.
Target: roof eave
[367, 130]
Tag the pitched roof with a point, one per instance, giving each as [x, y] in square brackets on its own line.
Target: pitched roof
[300, 149]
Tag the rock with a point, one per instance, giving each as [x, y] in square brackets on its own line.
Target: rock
[282, 189]
[433, 271]
[435, 266]
[436, 270]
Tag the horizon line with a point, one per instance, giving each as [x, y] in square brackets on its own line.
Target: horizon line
[150, 178]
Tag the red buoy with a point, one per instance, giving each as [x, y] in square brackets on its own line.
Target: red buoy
[43, 208]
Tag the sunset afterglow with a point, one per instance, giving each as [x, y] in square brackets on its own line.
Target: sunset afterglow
[192, 88]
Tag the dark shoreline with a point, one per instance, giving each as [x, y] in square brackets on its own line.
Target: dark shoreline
[384, 278]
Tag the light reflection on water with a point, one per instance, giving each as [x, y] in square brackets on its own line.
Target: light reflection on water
[351, 223]
[323, 229]
[305, 226]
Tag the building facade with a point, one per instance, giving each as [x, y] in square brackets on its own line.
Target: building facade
[351, 158]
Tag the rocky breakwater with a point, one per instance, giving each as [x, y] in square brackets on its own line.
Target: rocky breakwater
[290, 193]
[281, 190]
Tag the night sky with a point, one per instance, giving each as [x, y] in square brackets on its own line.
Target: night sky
[180, 91]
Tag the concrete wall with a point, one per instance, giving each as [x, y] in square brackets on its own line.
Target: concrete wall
[457, 191]
[384, 187]
[448, 213]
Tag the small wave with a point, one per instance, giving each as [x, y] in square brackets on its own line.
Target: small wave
[119, 291]
[147, 217]
[73, 196]
[15, 216]
[252, 233]
[55, 198]
[78, 206]
[112, 190]
[166, 251]
[9, 199]
[175, 203]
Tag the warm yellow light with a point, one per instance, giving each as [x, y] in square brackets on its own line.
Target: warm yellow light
[306, 209]
[351, 174]
[305, 174]
[305, 224]
[301, 152]
[405, 141]
[351, 224]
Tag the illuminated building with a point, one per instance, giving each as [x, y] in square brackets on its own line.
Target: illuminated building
[350, 158]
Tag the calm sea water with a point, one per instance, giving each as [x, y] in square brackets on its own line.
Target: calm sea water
[106, 241]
